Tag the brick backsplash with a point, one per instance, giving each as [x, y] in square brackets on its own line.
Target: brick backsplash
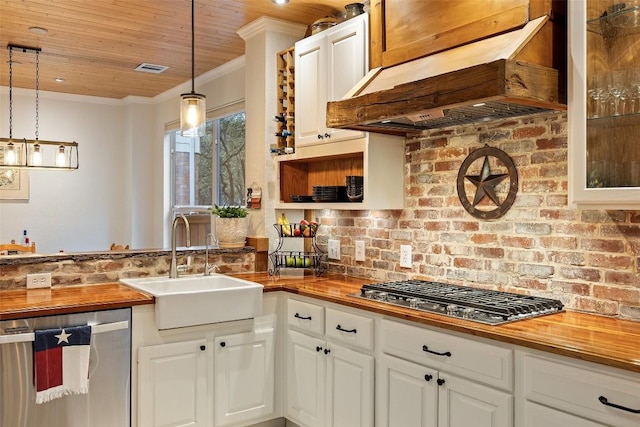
[91, 268]
[589, 259]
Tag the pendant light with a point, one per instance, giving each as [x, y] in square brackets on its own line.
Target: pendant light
[33, 154]
[193, 110]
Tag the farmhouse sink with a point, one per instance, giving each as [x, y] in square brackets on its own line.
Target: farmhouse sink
[198, 300]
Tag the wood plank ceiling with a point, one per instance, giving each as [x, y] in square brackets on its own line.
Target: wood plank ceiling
[95, 45]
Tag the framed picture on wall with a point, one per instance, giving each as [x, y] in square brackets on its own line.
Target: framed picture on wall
[14, 184]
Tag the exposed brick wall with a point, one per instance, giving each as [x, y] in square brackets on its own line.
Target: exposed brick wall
[589, 259]
[77, 269]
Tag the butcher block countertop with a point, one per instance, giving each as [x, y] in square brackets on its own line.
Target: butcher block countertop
[21, 303]
[599, 339]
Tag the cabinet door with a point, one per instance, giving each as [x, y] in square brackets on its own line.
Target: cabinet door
[244, 377]
[604, 114]
[349, 388]
[310, 89]
[407, 394]
[347, 62]
[306, 373]
[172, 385]
[463, 403]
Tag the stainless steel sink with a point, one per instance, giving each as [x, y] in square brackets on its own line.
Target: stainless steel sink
[198, 300]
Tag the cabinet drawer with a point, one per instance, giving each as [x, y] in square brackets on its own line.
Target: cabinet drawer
[579, 390]
[349, 328]
[468, 358]
[305, 316]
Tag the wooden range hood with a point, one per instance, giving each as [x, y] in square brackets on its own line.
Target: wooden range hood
[477, 82]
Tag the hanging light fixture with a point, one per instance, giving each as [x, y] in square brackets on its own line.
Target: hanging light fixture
[193, 108]
[33, 154]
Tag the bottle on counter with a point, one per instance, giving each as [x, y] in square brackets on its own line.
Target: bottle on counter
[25, 238]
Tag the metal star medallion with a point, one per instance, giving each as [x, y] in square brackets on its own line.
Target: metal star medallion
[486, 183]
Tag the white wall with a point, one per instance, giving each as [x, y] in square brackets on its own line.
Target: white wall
[71, 211]
[118, 193]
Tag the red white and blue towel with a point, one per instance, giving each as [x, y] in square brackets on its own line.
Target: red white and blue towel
[61, 362]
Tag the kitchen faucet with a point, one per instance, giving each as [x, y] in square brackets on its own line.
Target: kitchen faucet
[213, 267]
[173, 270]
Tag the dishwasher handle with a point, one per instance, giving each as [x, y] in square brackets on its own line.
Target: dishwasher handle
[95, 329]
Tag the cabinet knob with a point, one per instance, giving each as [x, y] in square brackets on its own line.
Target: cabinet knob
[326, 135]
[440, 381]
[318, 348]
[203, 347]
[223, 344]
[320, 136]
[327, 351]
[428, 377]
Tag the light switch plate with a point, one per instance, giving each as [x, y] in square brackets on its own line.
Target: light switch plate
[38, 280]
[334, 249]
[405, 256]
[360, 250]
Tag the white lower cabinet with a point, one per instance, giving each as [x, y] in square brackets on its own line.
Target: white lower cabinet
[328, 383]
[244, 377]
[172, 384]
[444, 382]
[415, 395]
[582, 393]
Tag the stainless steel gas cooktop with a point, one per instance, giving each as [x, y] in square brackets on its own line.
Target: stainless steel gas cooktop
[480, 305]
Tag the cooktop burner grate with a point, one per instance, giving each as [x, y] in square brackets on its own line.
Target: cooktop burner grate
[481, 305]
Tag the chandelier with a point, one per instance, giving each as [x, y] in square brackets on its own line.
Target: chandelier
[35, 153]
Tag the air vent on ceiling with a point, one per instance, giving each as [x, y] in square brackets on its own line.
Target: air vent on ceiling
[151, 68]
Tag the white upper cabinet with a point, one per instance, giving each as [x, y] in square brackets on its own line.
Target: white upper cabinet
[327, 65]
[604, 104]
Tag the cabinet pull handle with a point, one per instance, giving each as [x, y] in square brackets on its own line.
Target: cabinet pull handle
[327, 351]
[222, 344]
[318, 348]
[606, 402]
[301, 317]
[203, 347]
[351, 331]
[440, 381]
[446, 353]
[428, 377]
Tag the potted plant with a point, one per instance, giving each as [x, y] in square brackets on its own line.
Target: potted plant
[231, 225]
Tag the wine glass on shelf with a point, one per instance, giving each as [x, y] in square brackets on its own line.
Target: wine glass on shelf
[617, 91]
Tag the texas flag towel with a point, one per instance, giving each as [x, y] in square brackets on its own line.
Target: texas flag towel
[61, 362]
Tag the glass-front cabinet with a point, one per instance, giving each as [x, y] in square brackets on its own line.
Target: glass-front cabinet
[604, 103]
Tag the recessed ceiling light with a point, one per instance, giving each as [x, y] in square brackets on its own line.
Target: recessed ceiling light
[38, 30]
[151, 68]
[59, 79]
[280, 1]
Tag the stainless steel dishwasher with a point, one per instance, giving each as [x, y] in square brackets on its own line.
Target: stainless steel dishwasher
[108, 402]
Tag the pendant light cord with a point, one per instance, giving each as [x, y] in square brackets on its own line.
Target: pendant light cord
[10, 93]
[193, 50]
[37, 94]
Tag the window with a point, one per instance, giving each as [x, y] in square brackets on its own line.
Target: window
[210, 170]
[207, 171]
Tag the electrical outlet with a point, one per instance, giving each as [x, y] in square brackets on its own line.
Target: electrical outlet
[334, 249]
[405, 256]
[38, 280]
[360, 250]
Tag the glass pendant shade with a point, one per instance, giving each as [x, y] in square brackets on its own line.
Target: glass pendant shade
[60, 157]
[193, 114]
[10, 154]
[36, 155]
